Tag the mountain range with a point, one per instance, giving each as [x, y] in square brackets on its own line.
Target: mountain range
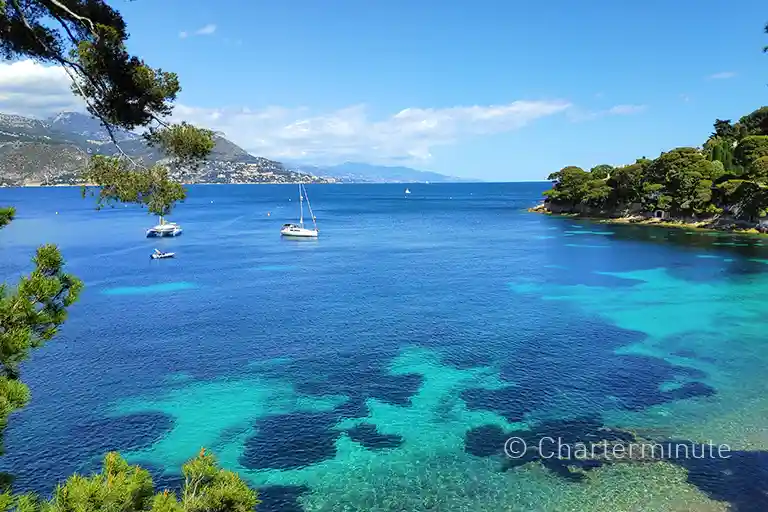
[368, 173]
[53, 151]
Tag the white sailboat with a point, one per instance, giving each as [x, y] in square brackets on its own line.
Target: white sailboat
[298, 230]
[164, 229]
[407, 191]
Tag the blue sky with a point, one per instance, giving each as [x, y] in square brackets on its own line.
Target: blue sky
[321, 80]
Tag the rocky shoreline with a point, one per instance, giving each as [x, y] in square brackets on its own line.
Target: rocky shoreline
[718, 224]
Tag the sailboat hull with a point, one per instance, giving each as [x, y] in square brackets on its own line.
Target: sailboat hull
[298, 232]
[162, 231]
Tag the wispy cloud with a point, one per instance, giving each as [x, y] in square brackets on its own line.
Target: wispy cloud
[722, 75]
[407, 136]
[350, 133]
[579, 115]
[207, 30]
[622, 110]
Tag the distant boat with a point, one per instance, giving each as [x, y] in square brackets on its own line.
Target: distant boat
[159, 255]
[164, 229]
[298, 230]
[407, 191]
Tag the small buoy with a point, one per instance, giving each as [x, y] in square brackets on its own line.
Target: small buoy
[269, 214]
[57, 213]
[211, 202]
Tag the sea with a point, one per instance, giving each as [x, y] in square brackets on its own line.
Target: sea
[386, 365]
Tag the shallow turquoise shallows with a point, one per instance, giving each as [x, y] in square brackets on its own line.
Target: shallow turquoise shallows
[382, 366]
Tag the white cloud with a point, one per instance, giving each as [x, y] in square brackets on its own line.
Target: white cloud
[351, 133]
[722, 75]
[207, 30]
[31, 89]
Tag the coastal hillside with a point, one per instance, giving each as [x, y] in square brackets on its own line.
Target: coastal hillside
[724, 181]
[54, 151]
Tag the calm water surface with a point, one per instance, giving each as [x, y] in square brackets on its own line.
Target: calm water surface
[382, 366]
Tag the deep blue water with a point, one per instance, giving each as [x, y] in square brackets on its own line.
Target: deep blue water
[393, 355]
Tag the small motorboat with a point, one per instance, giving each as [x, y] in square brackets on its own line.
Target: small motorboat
[159, 255]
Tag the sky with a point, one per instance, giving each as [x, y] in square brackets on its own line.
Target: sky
[488, 89]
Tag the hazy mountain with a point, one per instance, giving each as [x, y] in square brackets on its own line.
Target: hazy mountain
[362, 172]
[56, 149]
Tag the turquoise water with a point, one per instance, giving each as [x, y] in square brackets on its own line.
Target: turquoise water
[153, 288]
[382, 366]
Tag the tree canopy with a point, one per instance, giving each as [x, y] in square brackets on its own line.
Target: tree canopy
[87, 38]
[729, 172]
[120, 486]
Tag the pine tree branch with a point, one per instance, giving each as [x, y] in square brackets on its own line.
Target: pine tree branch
[82, 19]
[68, 65]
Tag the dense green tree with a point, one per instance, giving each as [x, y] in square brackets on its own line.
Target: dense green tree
[568, 184]
[6, 215]
[718, 149]
[673, 162]
[680, 180]
[725, 130]
[747, 198]
[750, 149]
[626, 183]
[120, 487]
[718, 170]
[575, 185]
[602, 171]
[758, 170]
[686, 179]
[756, 122]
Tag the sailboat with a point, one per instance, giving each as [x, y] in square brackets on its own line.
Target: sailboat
[407, 191]
[164, 229]
[298, 230]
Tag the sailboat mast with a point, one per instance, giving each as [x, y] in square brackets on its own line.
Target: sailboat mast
[309, 205]
[301, 207]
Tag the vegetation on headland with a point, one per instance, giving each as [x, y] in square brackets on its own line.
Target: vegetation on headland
[88, 40]
[725, 181]
[726, 177]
